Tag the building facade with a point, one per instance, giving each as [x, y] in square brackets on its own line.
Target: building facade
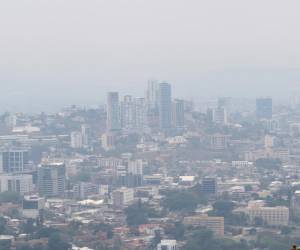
[165, 106]
[52, 179]
[113, 121]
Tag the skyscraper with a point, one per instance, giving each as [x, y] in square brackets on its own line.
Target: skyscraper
[113, 112]
[178, 114]
[152, 96]
[264, 108]
[220, 115]
[140, 114]
[86, 134]
[52, 179]
[127, 113]
[165, 106]
[76, 139]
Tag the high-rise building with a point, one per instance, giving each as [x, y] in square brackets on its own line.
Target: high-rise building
[86, 134]
[127, 113]
[178, 114]
[13, 160]
[52, 179]
[140, 114]
[108, 141]
[264, 108]
[135, 173]
[220, 116]
[10, 121]
[209, 185]
[152, 96]
[76, 139]
[295, 204]
[165, 106]
[113, 112]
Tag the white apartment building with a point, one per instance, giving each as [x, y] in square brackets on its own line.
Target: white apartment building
[20, 183]
[167, 245]
[275, 216]
[122, 196]
[76, 139]
[215, 224]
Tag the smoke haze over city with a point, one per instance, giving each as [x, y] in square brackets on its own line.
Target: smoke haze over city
[55, 53]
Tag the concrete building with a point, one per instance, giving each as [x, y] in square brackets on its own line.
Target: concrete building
[86, 134]
[242, 164]
[269, 141]
[140, 114]
[168, 245]
[178, 114]
[32, 206]
[76, 140]
[122, 197]
[152, 96]
[83, 190]
[52, 179]
[135, 173]
[127, 113]
[274, 216]
[219, 141]
[113, 121]
[10, 121]
[215, 224]
[220, 116]
[20, 183]
[13, 160]
[209, 186]
[295, 204]
[108, 141]
[165, 106]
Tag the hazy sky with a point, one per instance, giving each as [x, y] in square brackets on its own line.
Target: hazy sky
[59, 52]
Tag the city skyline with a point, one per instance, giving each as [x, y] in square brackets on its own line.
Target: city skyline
[203, 49]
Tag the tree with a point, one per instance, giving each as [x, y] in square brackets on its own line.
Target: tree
[8, 196]
[45, 232]
[108, 229]
[82, 176]
[223, 208]
[248, 188]
[2, 225]
[203, 239]
[286, 230]
[258, 221]
[28, 227]
[136, 214]
[57, 242]
[176, 231]
[5, 245]
[24, 247]
[184, 201]
[157, 238]
[200, 239]
[240, 219]
[265, 163]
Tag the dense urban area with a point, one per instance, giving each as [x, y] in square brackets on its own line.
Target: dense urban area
[152, 172]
